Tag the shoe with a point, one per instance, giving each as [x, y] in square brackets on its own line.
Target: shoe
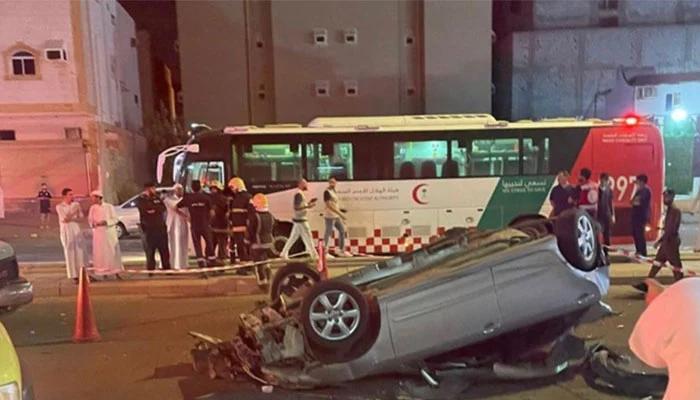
[118, 277]
[347, 254]
[641, 286]
[329, 256]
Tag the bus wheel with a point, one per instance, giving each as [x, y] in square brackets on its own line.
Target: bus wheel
[577, 239]
[291, 278]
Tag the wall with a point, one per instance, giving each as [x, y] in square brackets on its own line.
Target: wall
[128, 72]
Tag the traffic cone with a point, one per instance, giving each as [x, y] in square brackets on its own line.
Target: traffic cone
[85, 327]
[322, 267]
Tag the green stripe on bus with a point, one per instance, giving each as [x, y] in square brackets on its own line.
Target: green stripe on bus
[513, 196]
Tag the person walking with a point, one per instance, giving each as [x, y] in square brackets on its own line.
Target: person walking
[334, 217]
[178, 229]
[300, 227]
[69, 214]
[561, 197]
[155, 232]
[44, 197]
[587, 190]
[239, 207]
[606, 210]
[669, 243]
[219, 222]
[199, 206]
[260, 224]
[106, 255]
[641, 207]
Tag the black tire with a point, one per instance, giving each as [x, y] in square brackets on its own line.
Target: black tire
[295, 272]
[121, 231]
[569, 227]
[525, 219]
[357, 324]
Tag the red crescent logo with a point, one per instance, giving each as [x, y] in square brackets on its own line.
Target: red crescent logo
[416, 194]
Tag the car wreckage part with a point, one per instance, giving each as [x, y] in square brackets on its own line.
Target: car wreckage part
[291, 278]
[577, 239]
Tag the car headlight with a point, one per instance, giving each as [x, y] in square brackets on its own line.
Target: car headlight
[10, 392]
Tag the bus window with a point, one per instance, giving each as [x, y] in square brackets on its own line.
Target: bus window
[205, 172]
[494, 157]
[261, 163]
[419, 159]
[329, 160]
[536, 156]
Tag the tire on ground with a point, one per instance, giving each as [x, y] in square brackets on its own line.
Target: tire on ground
[288, 270]
[577, 238]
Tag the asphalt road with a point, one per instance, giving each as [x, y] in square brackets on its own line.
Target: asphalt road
[144, 353]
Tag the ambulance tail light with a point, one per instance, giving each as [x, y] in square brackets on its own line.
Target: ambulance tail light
[631, 120]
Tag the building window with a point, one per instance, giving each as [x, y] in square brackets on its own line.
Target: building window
[608, 4]
[23, 63]
[73, 133]
[56, 54]
[646, 92]
[7, 135]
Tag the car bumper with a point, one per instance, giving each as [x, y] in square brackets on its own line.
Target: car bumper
[16, 293]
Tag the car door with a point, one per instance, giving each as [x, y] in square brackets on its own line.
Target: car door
[444, 313]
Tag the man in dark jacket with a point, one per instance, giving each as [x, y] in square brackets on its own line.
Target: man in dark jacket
[155, 233]
[219, 223]
[199, 206]
[669, 243]
[641, 207]
[260, 225]
[606, 210]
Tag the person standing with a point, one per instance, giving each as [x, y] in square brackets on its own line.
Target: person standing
[669, 243]
[334, 217]
[106, 255]
[641, 206]
[178, 230]
[561, 197]
[587, 199]
[219, 223]
[260, 224]
[239, 208]
[300, 226]
[69, 214]
[44, 197]
[155, 232]
[606, 210]
[199, 206]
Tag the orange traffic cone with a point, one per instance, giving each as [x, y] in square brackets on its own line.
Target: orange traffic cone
[322, 267]
[85, 327]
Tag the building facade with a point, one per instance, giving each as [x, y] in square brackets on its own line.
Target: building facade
[70, 107]
[257, 62]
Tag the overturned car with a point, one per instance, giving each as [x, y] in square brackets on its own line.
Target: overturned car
[484, 297]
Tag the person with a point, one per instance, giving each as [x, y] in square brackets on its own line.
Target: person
[606, 209]
[587, 190]
[69, 214]
[641, 206]
[219, 223]
[334, 217]
[178, 230]
[667, 335]
[152, 222]
[300, 226]
[239, 207]
[669, 243]
[561, 197]
[199, 206]
[44, 197]
[260, 224]
[106, 255]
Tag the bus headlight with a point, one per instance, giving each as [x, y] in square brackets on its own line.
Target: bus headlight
[10, 392]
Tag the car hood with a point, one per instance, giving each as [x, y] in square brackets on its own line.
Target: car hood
[9, 363]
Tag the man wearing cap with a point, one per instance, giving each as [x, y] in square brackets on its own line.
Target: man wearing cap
[669, 243]
[106, 255]
[260, 224]
[219, 224]
[155, 232]
[199, 206]
[239, 207]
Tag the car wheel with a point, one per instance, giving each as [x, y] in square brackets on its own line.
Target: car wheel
[291, 278]
[121, 230]
[577, 239]
[277, 245]
[335, 316]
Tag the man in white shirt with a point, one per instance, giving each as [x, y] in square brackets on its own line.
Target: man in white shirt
[334, 217]
[300, 227]
[69, 214]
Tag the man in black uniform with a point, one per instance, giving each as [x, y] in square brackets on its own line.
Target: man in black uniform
[641, 207]
[199, 205]
[155, 233]
[606, 210]
[239, 207]
[219, 222]
[669, 243]
[260, 223]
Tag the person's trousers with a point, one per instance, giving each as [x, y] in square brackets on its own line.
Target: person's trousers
[240, 247]
[220, 245]
[669, 252]
[606, 229]
[200, 234]
[156, 239]
[640, 242]
[336, 223]
[261, 270]
[300, 230]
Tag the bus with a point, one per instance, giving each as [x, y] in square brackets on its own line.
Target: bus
[405, 180]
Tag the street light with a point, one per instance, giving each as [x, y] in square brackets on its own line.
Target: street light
[679, 114]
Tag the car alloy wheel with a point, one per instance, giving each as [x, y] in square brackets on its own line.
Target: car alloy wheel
[334, 315]
[585, 235]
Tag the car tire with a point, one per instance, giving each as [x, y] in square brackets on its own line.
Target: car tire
[335, 316]
[121, 231]
[577, 238]
[278, 243]
[290, 278]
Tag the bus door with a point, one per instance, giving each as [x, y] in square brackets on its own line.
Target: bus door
[204, 171]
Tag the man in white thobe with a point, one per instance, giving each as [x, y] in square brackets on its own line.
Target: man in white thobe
[178, 229]
[106, 255]
[69, 213]
[667, 335]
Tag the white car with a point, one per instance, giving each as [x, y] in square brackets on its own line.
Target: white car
[128, 215]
